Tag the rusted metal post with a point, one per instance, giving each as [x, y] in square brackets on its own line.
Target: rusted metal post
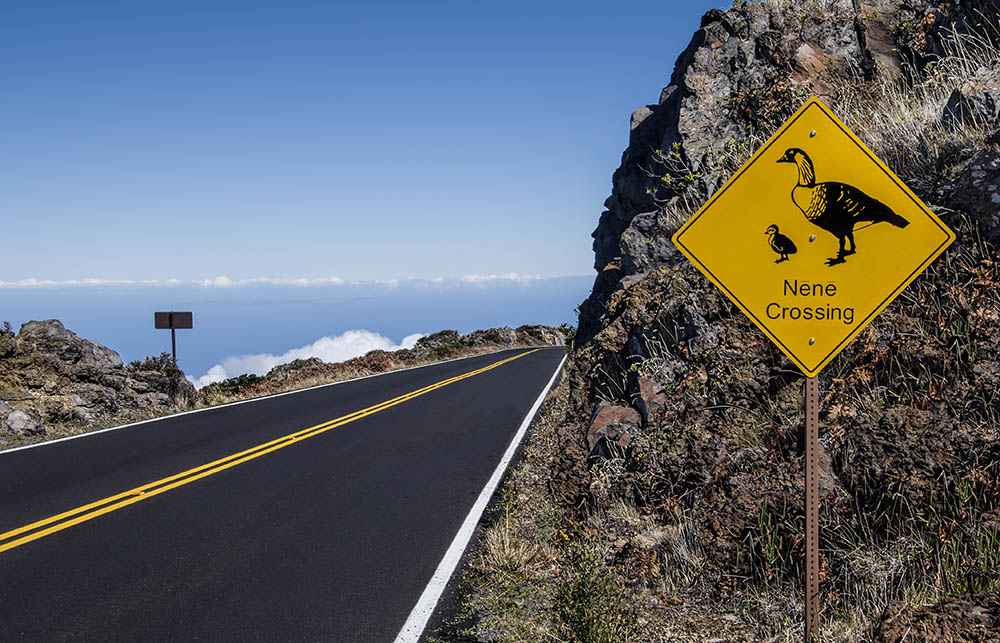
[812, 510]
[173, 339]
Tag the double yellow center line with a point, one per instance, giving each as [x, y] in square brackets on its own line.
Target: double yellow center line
[52, 524]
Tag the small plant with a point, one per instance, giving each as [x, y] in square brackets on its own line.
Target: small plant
[568, 331]
[231, 387]
[447, 350]
[162, 363]
[440, 337]
[493, 336]
[589, 603]
[968, 561]
[506, 552]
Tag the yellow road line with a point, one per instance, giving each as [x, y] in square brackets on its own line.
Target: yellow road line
[97, 508]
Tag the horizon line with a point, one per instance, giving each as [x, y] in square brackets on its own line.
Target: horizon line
[223, 281]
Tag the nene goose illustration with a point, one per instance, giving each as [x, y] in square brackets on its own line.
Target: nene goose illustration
[779, 243]
[836, 207]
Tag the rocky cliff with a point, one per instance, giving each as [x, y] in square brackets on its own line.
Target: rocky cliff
[51, 378]
[683, 410]
[744, 72]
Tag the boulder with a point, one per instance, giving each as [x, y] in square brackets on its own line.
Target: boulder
[51, 337]
[56, 377]
[19, 422]
[970, 617]
[539, 336]
[652, 394]
[614, 423]
[976, 101]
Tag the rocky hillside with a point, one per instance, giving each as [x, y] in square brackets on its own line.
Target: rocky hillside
[746, 71]
[51, 380]
[703, 413]
[672, 459]
[53, 383]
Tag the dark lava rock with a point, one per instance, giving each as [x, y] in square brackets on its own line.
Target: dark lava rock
[909, 409]
[50, 375]
[968, 618]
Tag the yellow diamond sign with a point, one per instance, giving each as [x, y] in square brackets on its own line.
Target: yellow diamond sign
[813, 237]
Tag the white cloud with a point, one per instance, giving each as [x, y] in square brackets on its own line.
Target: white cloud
[353, 343]
[510, 276]
[221, 281]
[224, 281]
[89, 281]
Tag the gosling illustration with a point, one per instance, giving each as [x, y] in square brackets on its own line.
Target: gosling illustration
[779, 243]
[836, 207]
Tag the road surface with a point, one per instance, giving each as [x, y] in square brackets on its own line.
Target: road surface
[314, 516]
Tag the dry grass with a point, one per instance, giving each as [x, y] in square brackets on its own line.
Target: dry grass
[509, 552]
[682, 559]
[901, 121]
[536, 575]
[513, 570]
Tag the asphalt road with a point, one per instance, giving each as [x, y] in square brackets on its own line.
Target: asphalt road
[328, 535]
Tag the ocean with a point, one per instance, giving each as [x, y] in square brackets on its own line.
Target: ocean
[252, 327]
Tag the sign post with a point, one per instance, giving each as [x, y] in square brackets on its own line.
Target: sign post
[173, 321]
[812, 508]
[812, 238]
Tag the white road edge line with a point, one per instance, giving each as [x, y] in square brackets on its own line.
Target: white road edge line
[417, 621]
[256, 399]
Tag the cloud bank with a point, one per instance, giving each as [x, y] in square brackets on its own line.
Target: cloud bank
[352, 343]
[223, 281]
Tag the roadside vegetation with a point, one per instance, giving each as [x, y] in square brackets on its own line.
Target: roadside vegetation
[693, 529]
[180, 396]
[442, 345]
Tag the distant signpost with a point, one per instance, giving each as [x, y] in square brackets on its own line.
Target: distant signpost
[173, 320]
[812, 238]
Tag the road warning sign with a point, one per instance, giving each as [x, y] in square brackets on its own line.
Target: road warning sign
[813, 237]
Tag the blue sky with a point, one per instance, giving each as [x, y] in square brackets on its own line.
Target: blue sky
[313, 178]
[285, 140]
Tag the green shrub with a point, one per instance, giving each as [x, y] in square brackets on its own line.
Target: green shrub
[440, 337]
[446, 350]
[232, 386]
[162, 363]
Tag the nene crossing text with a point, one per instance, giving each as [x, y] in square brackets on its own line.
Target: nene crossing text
[824, 311]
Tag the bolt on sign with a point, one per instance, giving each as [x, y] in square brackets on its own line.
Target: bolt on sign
[813, 237]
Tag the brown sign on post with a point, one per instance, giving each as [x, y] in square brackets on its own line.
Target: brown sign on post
[173, 321]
